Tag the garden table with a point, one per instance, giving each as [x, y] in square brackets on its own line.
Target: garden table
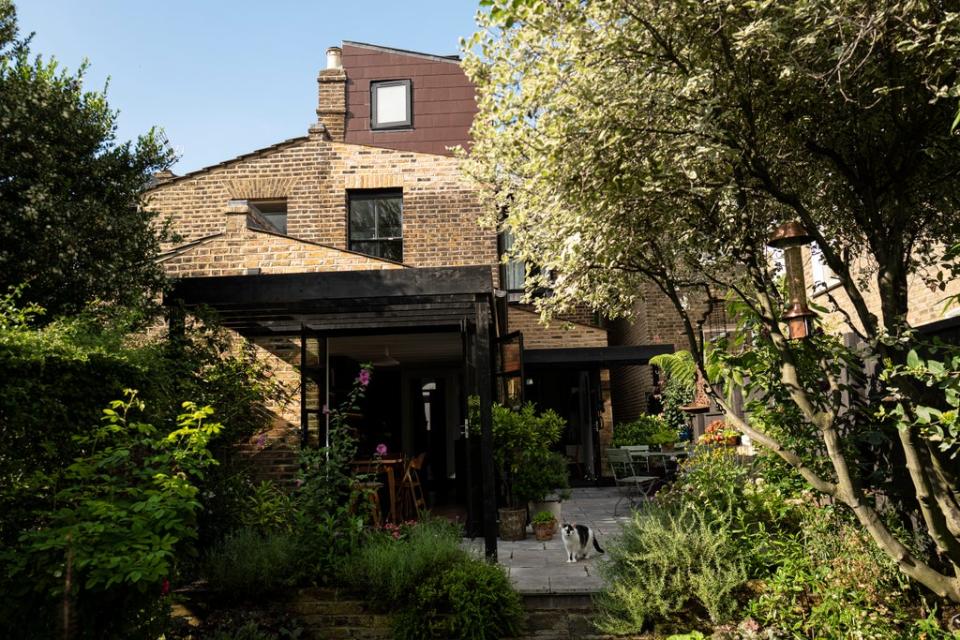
[646, 456]
[391, 467]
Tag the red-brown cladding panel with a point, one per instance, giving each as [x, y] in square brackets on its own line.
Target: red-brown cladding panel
[443, 100]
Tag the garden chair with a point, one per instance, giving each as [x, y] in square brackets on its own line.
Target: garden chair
[411, 489]
[632, 487]
[635, 449]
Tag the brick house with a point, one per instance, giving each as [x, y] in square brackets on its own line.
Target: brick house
[359, 242]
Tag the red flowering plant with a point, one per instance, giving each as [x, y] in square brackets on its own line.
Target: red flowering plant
[719, 432]
[399, 531]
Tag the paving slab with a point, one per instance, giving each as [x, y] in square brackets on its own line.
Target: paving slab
[538, 568]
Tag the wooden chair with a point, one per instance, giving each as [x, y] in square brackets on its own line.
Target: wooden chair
[632, 487]
[411, 489]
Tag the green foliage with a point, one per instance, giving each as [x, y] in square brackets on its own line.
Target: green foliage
[540, 474]
[393, 568]
[74, 228]
[667, 564]
[471, 600]
[249, 562]
[644, 430]
[125, 512]
[327, 528]
[940, 425]
[641, 144]
[542, 517]
[267, 507]
[678, 365]
[833, 583]
[522, 440]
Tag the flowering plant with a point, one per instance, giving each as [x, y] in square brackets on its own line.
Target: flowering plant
[718, 432]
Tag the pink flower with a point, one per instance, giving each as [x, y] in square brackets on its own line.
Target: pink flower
[326, 410]
[299, 482]
[381, 449]
[396, 535]
[164, 587]
[364, 377]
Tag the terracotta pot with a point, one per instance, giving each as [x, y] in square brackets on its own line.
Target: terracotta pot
[544, 530]
[513, 524]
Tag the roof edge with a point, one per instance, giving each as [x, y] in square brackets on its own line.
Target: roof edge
[243, 156]
[430, 56]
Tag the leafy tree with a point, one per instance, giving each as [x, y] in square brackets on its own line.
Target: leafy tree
[72, 228]
[636, 141]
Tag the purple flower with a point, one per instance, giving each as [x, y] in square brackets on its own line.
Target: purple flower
[364, 377]
[262, 440]
[381, 449]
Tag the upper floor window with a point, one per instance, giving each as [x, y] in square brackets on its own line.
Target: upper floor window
[390, 104]
[513, 273]
[272, 214]
[376, 224]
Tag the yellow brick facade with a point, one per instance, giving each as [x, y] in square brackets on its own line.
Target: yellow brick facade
[315, 176]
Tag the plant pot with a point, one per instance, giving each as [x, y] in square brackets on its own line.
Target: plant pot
[733, 441]
[667, 446]
[513, 524]
[550, 504]
[544, 530]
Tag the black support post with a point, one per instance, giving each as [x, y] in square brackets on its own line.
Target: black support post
[484, 388]
[304, 421]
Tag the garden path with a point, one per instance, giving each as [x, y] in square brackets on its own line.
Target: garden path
[541, 568]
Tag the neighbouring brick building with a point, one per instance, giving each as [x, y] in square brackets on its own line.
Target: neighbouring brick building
[359, 242]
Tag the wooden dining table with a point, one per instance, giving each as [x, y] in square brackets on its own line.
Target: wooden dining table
[392, 468]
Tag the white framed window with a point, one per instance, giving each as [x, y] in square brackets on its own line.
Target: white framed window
[391, 104]
[824, 278]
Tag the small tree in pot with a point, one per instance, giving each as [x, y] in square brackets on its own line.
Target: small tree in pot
[522, 439]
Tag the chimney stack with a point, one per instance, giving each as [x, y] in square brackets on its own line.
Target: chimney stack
[332, 103]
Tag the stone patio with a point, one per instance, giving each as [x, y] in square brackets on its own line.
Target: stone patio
[541, 568]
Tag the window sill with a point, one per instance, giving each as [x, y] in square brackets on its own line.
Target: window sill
[821, 291]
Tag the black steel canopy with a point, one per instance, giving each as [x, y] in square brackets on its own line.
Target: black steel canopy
[349, 300]
[598, 356]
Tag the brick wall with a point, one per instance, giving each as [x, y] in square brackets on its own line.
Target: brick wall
[314, 175]
[926, 303]
[558, 335]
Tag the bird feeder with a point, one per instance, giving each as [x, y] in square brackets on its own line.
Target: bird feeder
[791, 237]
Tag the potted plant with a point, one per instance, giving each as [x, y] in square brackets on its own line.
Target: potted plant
[543, 481]
[665, 436]
[719, 432]
[544, 525]
[521, 438]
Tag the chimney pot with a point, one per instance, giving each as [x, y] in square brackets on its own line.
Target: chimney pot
[334, 58]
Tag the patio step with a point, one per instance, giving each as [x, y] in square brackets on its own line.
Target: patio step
[326, 614]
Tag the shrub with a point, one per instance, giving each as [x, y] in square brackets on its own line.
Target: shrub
[833, 582]
[328, 531]
[666, 562]
[249, 562]
[644, 430]
[125, 514]
[394, 568]
[539, 474]
[471, 600]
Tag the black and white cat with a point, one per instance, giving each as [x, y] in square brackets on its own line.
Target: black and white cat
[576, 541]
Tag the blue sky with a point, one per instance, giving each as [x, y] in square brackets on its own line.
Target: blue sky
[226, 77]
